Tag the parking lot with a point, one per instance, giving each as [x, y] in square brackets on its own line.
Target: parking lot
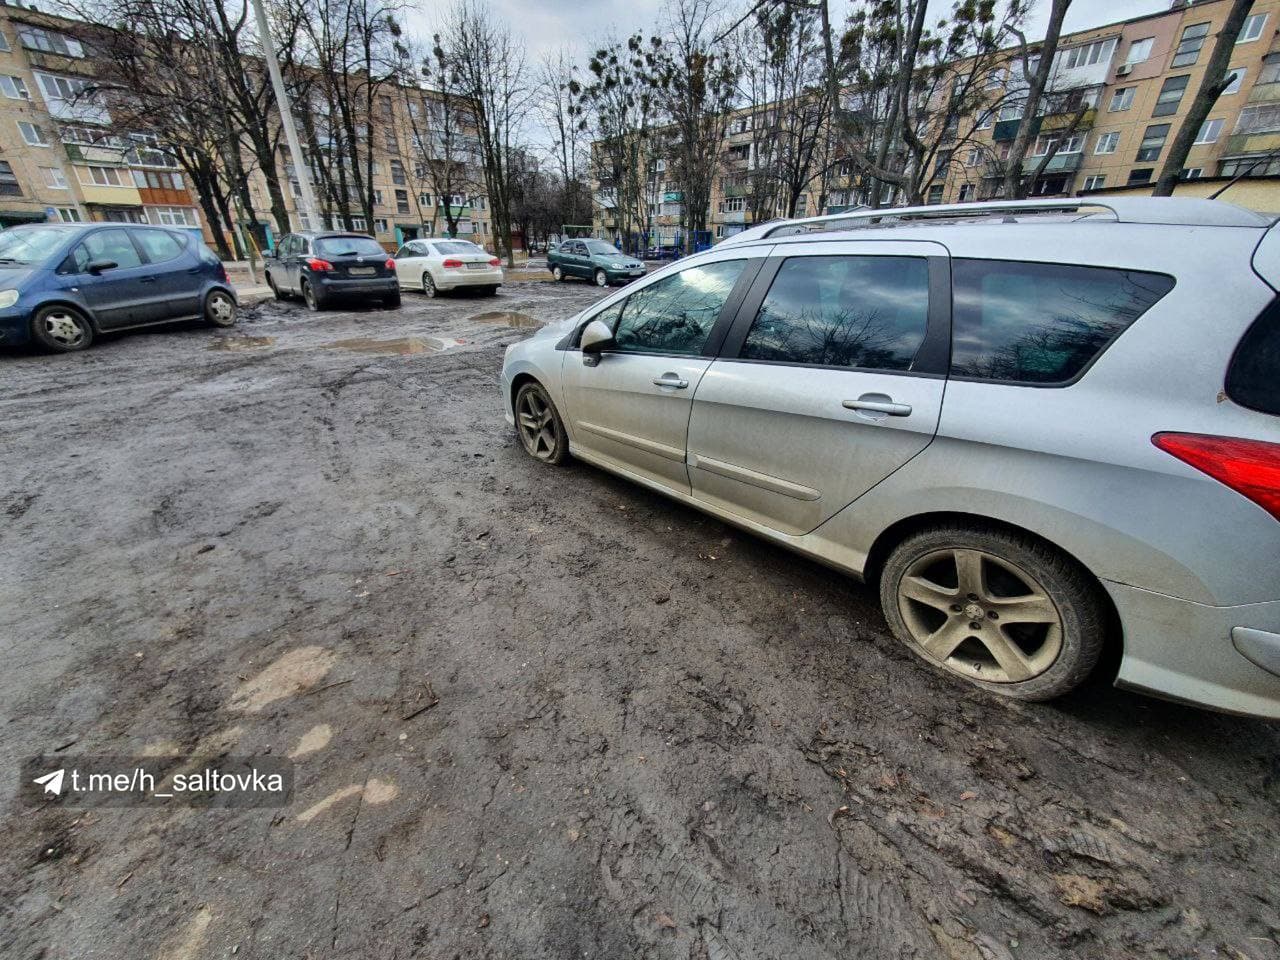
[535, 713]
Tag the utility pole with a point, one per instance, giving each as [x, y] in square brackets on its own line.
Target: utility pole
[286, 119]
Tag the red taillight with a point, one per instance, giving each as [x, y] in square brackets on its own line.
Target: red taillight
[452, 263]
[318, 265]
[391, 264]
[495, 262]
[1249, 467]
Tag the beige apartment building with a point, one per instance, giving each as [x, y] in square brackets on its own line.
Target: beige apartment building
[62, 159]
[1130, 83]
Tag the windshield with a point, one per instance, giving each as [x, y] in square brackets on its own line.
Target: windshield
[603, 249]
[32, 245]
[348, 247]
[458, 246]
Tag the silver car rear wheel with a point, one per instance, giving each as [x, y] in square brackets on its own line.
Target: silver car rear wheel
[1002, 610]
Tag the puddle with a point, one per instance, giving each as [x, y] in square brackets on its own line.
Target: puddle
[292, 673]
[508, 318]
[241, 343]
[402, 346]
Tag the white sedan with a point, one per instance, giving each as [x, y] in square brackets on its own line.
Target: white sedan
[437, 265]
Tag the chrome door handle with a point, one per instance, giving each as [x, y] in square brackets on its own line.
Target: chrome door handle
[878, 403]
[670, 380]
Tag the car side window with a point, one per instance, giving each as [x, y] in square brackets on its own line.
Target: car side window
[675, 315]
[285, 246]
[843, 311]
[112, 245]
[1041, 323]
[158, 245]
[403, 252]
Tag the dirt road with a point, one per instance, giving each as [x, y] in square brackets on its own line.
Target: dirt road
[655, 736]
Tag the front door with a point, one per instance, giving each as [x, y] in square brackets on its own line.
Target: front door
[629, 406]
[118, 296]
[831, 379]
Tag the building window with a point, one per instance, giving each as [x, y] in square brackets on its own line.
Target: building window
[1209, 131]
[379, 225]
[1140, 50]
[14, 88]
[985, 120]
[966, 193]
[1073, 144]
[1188, 51]
[1089, 54]
[1141, 176]
[1170, 96]
[1261, 118]
[33, 38]
[1122, 99]
[60, 88]
[1270, 72]
[377, 198]
[175, 217]
[1095, 181]
[397, 172]
[1264, 166]
[402, 201]
[54, 178]
[935, 194]
[1107, 142]
[1234, 80]
[1252, 28]
[1152, 142]
[8, 182]
[971, 159]
[4, 43]
[32, 134]
[69, 215]
[424, 199]
[1192, 173]
[104, 177]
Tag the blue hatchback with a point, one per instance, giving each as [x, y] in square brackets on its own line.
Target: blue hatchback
[61, 284]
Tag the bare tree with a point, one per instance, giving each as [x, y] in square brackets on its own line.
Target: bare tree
[1214, 81]
[491, 68]
[563, 112]
[1037, 80]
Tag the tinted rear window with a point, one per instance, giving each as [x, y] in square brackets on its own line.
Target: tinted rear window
[1253, 379]
[1042, 322]
[843, 311]
[348, 246]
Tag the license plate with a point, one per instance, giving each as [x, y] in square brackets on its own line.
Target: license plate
[637, 273]
[477, 266]
[362, 271]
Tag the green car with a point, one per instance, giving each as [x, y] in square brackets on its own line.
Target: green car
[593, 260]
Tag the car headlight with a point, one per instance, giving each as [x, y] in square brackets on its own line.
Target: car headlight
[8, 298]
[616, 266]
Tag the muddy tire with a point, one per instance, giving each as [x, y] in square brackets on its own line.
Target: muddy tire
[558, 272]
[61, 329]
[539, 426]
[428, 285]
[220, 309]
[601, 278]
[1002, 610]
[314, 300]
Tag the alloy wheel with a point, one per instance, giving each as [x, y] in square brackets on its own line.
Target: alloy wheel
[557, 273]
[980, 615]
[64, 328]
[537, 425]
[309, 295]
[602, 278]
[222, 309]
[428, 284]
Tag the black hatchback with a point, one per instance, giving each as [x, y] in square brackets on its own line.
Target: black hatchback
[324, 267]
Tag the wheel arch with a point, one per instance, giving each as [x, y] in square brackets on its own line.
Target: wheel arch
[897, 532]
[79, 308]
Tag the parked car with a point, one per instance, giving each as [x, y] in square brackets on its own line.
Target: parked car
[323, 267]
[593, 260]
[63, 284]
[1039, 432]
[433, 266]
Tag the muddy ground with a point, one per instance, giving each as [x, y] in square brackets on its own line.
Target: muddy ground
[655, 736]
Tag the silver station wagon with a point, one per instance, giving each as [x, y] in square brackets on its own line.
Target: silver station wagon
[1038, 427]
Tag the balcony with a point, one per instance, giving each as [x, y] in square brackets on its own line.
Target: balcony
[1263, 92]
[85, 153]
[1061, 121]
[735, 216]
[1060, 163]
[1006, 131]
[737, 190]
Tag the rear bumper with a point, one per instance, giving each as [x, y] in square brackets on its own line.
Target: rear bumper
[370, 286]
[452, 279]
[1224, 658]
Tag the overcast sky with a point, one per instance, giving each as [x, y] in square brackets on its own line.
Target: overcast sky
[547, 25]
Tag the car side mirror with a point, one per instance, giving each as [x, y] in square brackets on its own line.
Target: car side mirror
[596, 337]
[97, 266]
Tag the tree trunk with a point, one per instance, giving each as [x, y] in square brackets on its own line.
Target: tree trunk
[1211, 87]
[1018, 152]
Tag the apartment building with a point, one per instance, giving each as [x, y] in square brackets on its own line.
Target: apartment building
[62, 159]
[407, 142]
[1115, 99]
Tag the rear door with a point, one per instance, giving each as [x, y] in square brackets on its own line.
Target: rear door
[830, 380]
[629, 406]
[120, 296]
[176, 281]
